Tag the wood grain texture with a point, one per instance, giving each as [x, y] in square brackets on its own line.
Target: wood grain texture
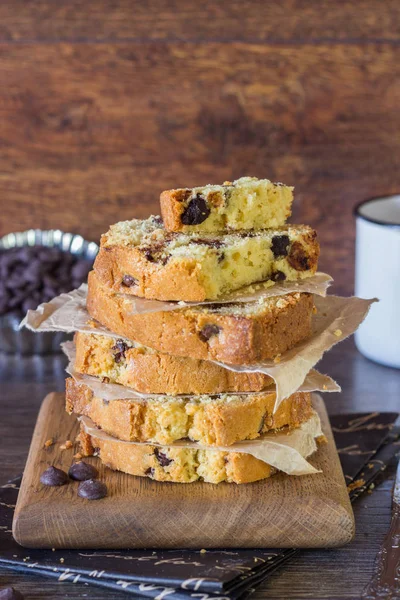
[308, 511]
[273, 21]
[90, 134]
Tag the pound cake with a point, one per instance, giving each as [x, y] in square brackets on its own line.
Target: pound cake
[247, 203]
[180, 463]
[241, 333]
[143, 259]
[217, 420]
[151, 372]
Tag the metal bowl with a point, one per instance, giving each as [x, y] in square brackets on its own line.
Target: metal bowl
[22, 341]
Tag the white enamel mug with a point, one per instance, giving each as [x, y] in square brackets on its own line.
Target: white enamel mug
[378, 276]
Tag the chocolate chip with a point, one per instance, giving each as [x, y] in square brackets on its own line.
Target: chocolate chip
[157, 220]
[221, 257]
[92, 489]
[118, 357]
[53, 477]
[149, 472]
[278, 276]
[298, 258]
[279, 245]
[162, 458]
[10, 594]
[149, 256]
[196, 211]
[211, 243]
[129, 281]
[82, 471]
[120, 347]
[208, 331]
[262, 424]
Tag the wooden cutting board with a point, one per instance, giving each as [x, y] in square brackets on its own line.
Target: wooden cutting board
[309, 511]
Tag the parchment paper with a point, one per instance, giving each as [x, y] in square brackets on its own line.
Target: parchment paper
[336, 318]
[314, 382]
[317, 284]
[286, 452]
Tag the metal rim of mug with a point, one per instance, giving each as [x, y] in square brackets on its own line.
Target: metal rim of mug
[357, 214]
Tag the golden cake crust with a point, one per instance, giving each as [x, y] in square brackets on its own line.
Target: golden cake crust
[180, 465]
[211, 420]
[151, 372]
[230, 334]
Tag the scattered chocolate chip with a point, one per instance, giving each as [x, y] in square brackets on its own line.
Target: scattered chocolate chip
[30, 275]
[157, 220]
[105, 379]
[92, 489]
[196, 211]
[129, 281]
[279, 245]
[118, 357]
[262, 424]
[278, 276]
[221, 257]
[96, 451]
[298, 258]
[149, 472]
[53, 477]
[162, 458]
[10, 593]
[208, 331]
[82, 471]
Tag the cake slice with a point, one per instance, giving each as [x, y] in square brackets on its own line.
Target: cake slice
[182, 464]
[142, 258]
[241, 333]
[151, 372]
[247, 203]
[213, 420]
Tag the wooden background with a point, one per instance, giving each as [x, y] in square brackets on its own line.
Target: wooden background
[104, 104]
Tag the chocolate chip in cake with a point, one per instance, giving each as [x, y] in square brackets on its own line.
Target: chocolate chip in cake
[221, 257]
[157, 220]
[129, 281]
[298, 258]
[148, 255]
[279, 245]
[92, 489]
[278, 276]
[208, 331]
[196, 211]
[53, 477]
[120, 346]
[10, 594]
[149, 472]
[211, 243]
[82, 471]
[162, 458]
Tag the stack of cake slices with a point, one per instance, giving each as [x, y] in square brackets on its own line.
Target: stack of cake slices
[190, 407]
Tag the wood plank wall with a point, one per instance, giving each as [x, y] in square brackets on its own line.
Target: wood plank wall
[103, 104]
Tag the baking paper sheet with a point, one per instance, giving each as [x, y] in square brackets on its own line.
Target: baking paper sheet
[286, 452]
[314, 382]
[336, 318]
[317, 284]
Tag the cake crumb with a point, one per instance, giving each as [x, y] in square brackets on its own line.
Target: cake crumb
[61, 560]
[203, 551]
[277, 359]
[48, 443]
[359, 483]
[68, 444]
[338, 332]
[78, 456]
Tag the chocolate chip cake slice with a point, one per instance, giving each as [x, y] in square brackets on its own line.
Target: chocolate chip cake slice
[142, 258]
[150, 372]
[212, 420]
[247, 203]
[241, 333]
[184, 464]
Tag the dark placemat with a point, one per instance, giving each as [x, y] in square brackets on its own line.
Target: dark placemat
[366, 445]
